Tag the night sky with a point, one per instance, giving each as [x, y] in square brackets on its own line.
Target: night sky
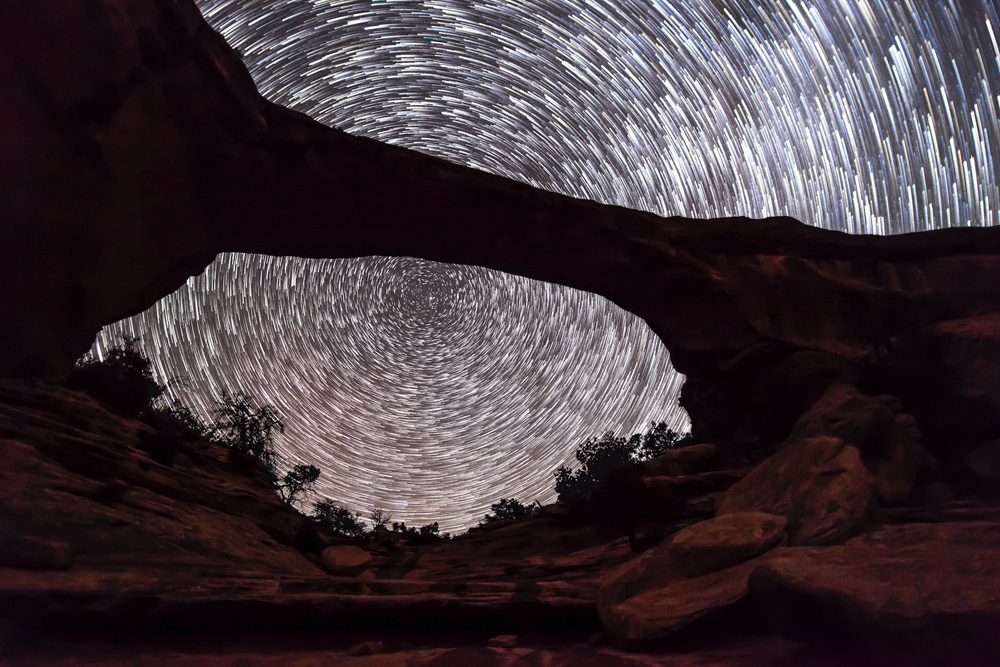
[433, 390]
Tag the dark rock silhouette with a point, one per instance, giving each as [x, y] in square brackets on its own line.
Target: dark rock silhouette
[135, 148]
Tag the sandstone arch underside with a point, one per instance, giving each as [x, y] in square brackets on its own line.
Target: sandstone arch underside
[135, 148]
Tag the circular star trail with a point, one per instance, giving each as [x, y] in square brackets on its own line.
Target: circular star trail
[428, 390]
[434, 390]
[861, 115]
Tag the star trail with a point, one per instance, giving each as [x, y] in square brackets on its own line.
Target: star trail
[433, 390]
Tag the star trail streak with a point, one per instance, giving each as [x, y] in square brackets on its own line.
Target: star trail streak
[429, 390]
[434, 390]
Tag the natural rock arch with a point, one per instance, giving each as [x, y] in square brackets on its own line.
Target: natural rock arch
[135, 147]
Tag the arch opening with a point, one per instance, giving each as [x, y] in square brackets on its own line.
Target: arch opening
[429, 390]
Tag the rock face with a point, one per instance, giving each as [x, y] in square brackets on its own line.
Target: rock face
[946, 373]
[899, 580]
[345, 560]
[100, 534]
[135, 147]
[96, 532]
[846, 455]
[88, 512]
[889, 440]
[820, 484]
[697, 571]
[682, 461]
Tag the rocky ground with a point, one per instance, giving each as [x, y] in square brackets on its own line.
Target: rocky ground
[843, 546]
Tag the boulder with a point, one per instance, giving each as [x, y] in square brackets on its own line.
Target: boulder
[843, 412]
[889, 440]
[703, 547]
[698, 570]
[660, 612]
[820, 484]
[723, 541]
[690, 486]
[682, 461]
[904, 580]
[345, 560]
[907, 466]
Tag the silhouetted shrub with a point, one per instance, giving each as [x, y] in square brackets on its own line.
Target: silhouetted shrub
[380, 519]
[338, 519]
[177, 417]
[247, 429]
[122, 381]
[508, 508]
[658, 439]
[174, 426]
[598, 457]
[299, 481]
[423, 535]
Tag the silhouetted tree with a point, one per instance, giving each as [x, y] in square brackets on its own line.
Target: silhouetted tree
[380, 519]
[246, 428]
[122, 380]
[423, 535]
[338, 519]
[658, 439]
[179, 416]
[301, 479]
[598, 457]
[508, 508]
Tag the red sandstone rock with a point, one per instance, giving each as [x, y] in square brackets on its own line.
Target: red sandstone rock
[720, 542]
[345, 560]
[749, 653]
[25, 552]
[888, 439]
[661, 612]
[845, 413]
[983, 463]
[948, 373]
[820, 484]
[682, 461]
[365, 648]
[698, 570]
[915, 578]
[503, 641]
[693, 485]
[140, 543]
[204, 543]
[135, 148]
